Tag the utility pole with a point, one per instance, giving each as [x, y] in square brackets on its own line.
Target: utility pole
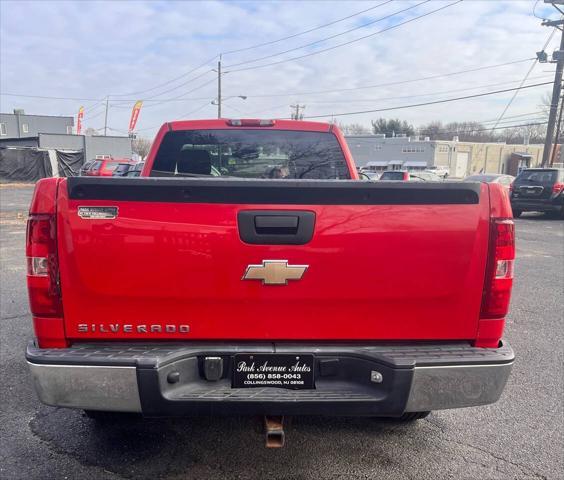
[295, 114]
[219, 87]
[106, 117]
[558, 127]
[557, 56]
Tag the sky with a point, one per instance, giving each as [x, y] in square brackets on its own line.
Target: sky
[165, 53]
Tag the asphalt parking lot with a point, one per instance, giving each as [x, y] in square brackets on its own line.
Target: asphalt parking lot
[520, 437]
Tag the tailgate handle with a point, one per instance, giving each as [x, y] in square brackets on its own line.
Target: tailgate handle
[275, 227]
[281, 224]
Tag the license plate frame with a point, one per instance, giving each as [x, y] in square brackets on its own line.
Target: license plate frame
[278, 370]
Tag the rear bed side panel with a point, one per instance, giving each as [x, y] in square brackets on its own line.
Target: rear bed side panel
[410, 272]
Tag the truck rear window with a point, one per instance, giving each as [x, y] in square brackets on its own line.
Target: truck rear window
[279, 154]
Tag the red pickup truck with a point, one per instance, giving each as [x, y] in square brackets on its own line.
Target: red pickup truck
[248, 270]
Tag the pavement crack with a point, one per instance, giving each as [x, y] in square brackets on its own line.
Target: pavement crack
[441, 433]
[17, 315]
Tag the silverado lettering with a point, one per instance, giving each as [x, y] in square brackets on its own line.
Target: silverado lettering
[386, 298]
[116, 327]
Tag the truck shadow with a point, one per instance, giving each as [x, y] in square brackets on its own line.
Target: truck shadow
[224, 447]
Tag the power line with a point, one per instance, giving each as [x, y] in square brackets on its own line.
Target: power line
[157, 103]
[99, 114]
[340, 100]
[127, 102]
[307, 31]
[291, 94]
[330, 37]
[179, 86]
[166, 83]
[349, 42]
[182, 116]
[531, 68]
[51, 98]
[401, 107]
[389, 84]
[534, 9]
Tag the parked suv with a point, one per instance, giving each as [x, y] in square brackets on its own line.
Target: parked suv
[538, 190]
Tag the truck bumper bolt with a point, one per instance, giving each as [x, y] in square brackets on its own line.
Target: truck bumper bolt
[376, 377]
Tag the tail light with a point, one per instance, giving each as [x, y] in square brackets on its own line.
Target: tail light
[42, 266]
[406, 176]
[511, 187]
[557, 187]
[499, 272]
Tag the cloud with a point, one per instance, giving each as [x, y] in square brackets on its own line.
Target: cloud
[94, 49]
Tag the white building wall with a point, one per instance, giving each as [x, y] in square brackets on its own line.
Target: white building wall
[369, 148]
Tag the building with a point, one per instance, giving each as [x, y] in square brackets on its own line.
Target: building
[34, 146]
[20, 125]
[460, 158]
[55, 133]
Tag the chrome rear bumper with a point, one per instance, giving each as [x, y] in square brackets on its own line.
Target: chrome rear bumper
[416, 378]
[86, 386]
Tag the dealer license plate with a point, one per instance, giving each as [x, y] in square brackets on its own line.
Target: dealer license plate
[273, 370]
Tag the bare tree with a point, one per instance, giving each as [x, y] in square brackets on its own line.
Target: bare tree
[354, 129]
[141, 146]
[524, 134]
[90, 132]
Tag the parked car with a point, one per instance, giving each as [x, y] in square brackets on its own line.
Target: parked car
[410, 176]
[395, 175]
[369, 175]
[538, 190]
[105, 167]
[441, 171]
[86, 166]
[505, 180]
[135, 170]
[232, 287]
[122, 169]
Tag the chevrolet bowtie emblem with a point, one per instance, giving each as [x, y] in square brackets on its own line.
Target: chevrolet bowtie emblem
[274, 272]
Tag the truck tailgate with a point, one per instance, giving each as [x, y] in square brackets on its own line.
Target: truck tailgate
[386, 261]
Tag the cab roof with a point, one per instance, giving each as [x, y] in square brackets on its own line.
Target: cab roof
[224, 123]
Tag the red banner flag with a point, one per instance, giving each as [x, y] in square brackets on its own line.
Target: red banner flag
[135, 115]
[79, 120]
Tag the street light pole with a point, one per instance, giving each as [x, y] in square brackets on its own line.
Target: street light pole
[216, 101]
[106, 117]
[219, 88]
